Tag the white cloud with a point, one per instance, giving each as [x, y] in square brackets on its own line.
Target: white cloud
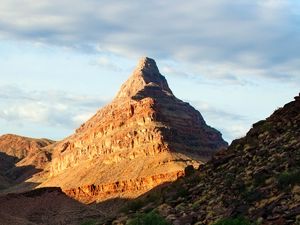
[230, 124]
[81, 118]
[216, 43]
[32, 112]
[106, 63]
[253, 35]
[236, 131]
[51, 108]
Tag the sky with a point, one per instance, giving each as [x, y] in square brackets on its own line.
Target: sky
[62, 60]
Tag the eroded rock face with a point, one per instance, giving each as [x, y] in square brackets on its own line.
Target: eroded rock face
[125, 189]
[21, 157]
[22, 147]
[145, 131]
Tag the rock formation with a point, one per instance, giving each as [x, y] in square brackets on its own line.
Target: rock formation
[144, 137]
[257, 177]
[21, 157]
[21, 147]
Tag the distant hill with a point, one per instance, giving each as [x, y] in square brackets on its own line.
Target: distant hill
[21, 157]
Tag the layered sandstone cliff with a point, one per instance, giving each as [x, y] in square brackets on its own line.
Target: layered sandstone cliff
[145, 133]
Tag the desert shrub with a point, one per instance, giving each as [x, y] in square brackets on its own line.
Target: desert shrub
[155, 196]
[182, 192]
[288, 178]
[251, 195]
[90, 222]
[259, 180]
[136, 204]
[194, 179]
[133, 205]
[233, 221]
[189, 170]
[151, 218]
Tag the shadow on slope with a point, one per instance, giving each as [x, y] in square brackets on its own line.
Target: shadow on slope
[257, 177]
[120, 210]
[12, 176]
[47, 206]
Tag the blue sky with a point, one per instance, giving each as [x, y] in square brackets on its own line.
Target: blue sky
[235, 61]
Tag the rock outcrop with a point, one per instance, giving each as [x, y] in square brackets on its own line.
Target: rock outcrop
[25, 150]
[257, 177]
[133, 187]
[21, 157]
[144, 132]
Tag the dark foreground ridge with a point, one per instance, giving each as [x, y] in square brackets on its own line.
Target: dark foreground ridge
[255, 181]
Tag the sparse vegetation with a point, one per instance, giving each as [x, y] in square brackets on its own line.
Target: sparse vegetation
[260, 180]
[134, 205]
[182, 192]
[251, 194]
[151, 218]
[233, 221]
[90, 222]
[288, 178]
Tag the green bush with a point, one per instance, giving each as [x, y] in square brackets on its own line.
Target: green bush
[151, 218]
[133, 205]
[91, 222]
[155, 196]
[260, 180]
[289, 178]
[251, 195]
[136, 204]
[233, 221]
[182, 192]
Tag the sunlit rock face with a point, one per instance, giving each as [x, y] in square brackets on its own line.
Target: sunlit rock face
[145, 134]
[20, 158]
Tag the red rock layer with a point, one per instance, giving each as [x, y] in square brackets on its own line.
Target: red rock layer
[25, 149]
[20, 158]
[89, 193]
[119, 131]
[146, 131]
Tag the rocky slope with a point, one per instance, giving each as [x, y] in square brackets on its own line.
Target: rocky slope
[44, 206]
[144, 137]
[21, 147]
[257, 177]
[21, 157]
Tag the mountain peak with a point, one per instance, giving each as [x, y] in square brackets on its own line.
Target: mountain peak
[145, 74]
[146, 63]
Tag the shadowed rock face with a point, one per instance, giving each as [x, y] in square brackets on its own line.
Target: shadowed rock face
[44, 206]
[257, 177]
[145, 133]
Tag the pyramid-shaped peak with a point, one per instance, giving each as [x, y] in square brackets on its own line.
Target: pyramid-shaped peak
[148, 69]
[146, 63]
[146, 74]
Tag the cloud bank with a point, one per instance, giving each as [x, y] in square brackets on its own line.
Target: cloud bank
[217, 38]
[46, 108]
[218, 46]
